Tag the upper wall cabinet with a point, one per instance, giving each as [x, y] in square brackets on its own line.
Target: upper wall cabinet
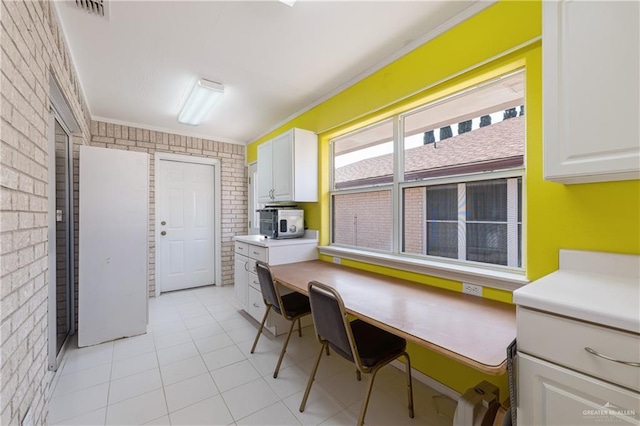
[288, 168]
[591, 80]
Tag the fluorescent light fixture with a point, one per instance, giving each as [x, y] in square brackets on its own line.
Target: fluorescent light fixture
[203, 96]
[289, 3]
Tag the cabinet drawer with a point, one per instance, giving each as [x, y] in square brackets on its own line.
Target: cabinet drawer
[256, 307]
[253, 281]
[563, 341]
[258, 253]
[242, 248]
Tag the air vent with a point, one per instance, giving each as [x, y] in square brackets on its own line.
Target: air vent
[96, 7]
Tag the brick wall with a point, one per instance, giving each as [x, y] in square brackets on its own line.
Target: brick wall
[363, 220]
[33, 48]
[233, 175]
[414, 220]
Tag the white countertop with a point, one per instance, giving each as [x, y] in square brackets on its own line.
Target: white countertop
[310, 237]
[601, 288]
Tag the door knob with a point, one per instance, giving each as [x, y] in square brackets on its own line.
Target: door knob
[163, 223]
[163, 233]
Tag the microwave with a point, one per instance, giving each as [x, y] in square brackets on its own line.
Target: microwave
[279, 223]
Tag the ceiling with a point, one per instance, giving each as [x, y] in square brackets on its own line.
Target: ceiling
[137, 64]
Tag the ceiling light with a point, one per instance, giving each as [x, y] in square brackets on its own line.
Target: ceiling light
[289, 3]
[203, 96]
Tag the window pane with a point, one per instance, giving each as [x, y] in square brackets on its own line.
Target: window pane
[363, 220]
[442, 202]
[364, 158]
[442, 239]
[487, 201]
[414, 220]
[479, 130]
[487, 242]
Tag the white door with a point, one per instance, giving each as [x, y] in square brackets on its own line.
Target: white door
[186, 224]
[113, 244]
[254, 205]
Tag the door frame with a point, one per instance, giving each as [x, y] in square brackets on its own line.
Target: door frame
[217, 209]
[60, 112]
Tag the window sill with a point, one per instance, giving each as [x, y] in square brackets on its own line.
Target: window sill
[485, 277]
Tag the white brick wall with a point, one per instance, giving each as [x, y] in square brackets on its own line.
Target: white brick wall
[233, 175]
[33, 48]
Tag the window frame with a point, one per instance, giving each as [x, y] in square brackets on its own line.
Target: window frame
[485, 274]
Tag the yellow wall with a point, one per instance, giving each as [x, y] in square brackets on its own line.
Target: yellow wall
[603, 217]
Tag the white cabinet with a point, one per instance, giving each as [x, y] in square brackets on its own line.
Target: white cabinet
[240, 288]
[591, 90]
[288, 167]
[553, 395]
[274, 252]
[578, 333]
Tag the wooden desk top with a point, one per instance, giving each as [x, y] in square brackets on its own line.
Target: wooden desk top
[472, 330]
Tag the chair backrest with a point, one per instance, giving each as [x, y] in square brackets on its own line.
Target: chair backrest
[268, 287]
[329, 318]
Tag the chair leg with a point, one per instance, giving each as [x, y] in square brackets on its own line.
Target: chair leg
[299, 327]
[365, 402]
[409, 385]
[264, 319]
[284, 349]
[358, 375]
[311, 378]
[327, 346]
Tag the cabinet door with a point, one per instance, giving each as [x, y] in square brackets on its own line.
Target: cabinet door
[591, 90]
[265, 172]
[283, 167]
[240, 287]
[552, 395]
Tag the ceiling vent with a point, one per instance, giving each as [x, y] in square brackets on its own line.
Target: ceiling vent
[96, 7]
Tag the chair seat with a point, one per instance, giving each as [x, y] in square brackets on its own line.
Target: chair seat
[375, 344]
[294, 304]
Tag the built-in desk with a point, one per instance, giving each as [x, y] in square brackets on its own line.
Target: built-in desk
[469, 329]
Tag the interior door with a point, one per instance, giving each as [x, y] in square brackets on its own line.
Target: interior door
[186, 212]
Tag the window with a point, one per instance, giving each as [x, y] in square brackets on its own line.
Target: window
[452, 178]
[364, 160]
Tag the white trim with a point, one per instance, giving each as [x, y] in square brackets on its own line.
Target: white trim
[467, 13]
[429, 381]
[492, 276]
[181, 132]
[217, 208]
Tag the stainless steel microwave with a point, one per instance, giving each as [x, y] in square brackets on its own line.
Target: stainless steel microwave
[279, 223]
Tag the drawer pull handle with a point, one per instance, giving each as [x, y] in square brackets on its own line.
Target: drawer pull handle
[629, 363]
[255, 305]
[257, 253]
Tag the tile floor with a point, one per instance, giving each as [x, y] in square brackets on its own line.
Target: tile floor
[193, 367]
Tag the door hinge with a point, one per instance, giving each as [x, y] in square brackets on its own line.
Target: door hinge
[249, 181]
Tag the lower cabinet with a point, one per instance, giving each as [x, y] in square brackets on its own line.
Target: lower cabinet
[554, 395]
[247, 287]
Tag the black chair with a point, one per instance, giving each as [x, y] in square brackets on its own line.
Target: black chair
[291, 306]
[368, 347]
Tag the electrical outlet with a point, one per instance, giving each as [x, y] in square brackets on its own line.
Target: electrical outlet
[474, 290]
[336, 260]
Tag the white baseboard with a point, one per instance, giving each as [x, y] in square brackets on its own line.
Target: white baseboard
[429, 381]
